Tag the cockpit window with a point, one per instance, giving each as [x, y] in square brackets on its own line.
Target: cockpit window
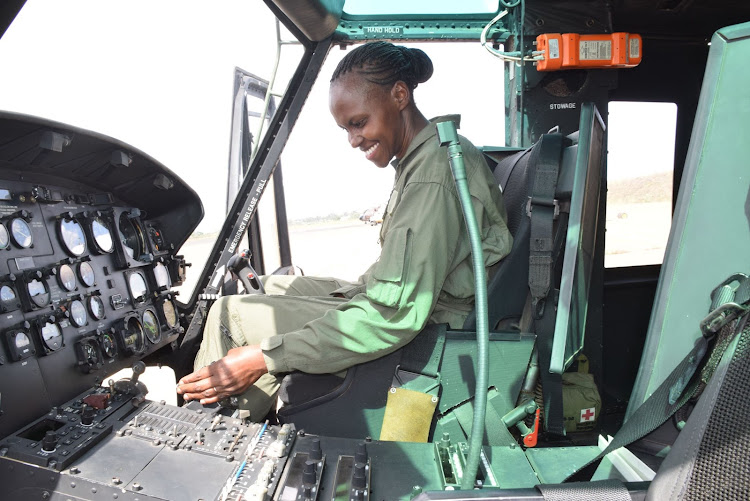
[419, 7]
[640, 170]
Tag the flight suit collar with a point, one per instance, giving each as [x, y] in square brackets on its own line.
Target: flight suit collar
[429, 132]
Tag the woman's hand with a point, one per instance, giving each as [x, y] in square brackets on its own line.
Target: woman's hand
[233, 374]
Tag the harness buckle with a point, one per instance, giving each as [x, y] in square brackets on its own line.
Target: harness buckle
[555, 204]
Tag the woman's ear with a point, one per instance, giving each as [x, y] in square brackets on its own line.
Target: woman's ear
[401, 94]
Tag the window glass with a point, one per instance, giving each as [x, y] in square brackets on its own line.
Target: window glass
[396, 7]
[640, 165]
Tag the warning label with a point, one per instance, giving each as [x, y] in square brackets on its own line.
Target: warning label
[634, 48]
[595, 49]
[554, 48]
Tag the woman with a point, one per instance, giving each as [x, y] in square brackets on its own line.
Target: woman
[423, 274]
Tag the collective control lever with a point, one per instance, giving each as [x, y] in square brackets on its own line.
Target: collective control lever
[240, 268]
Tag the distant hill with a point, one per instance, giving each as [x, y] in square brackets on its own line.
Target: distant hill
[654, 188]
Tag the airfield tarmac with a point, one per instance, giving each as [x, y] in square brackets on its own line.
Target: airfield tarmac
[636, 234]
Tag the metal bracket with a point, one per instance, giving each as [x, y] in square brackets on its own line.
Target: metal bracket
[728, 309]
[721, 316]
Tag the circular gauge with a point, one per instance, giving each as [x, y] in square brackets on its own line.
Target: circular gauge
[170, 313]
[86, 274]
[109, 347]
[102, 235]
[20, 345]
[78, 313]
[162, 276]
[138, 288]
[38, 292]
[20, 232]
[51, 335]
[151, 326]
[133, 338]
[72, 236]
[4, 237]
[96, 307]
[21, 341]
[7, 293]
[66, 277]
[131, 237]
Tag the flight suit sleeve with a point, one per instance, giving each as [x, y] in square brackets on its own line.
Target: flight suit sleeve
[402, 288]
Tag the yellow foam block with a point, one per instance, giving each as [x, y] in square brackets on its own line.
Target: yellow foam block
[408, 415]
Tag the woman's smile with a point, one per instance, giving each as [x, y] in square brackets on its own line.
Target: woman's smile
[369, 152]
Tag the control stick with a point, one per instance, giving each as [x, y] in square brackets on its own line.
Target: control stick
[132, 386]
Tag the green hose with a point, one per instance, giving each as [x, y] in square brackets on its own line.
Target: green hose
[447, 135]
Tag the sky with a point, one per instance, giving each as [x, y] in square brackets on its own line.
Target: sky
[159, 76]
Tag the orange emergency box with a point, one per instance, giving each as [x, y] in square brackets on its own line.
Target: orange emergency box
[573, 51]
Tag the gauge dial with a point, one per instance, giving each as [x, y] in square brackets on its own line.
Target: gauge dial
[7, 293]
[102, 235]
[38, 292]
[67, 277]
[96, 307]
[20, 345]
[51, 335]
[86, 274]
[109, 347]
[20, 232]
[72, 236]
[88, 355]
[131, 237]
[133, 337]
[138, 290]
[170, 313]
[4, 237]
[161, 274]
[89, 352]
[157, 239]
[22, 341]
[78, 313]
[151, 326]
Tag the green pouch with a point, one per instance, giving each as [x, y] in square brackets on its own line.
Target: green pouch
[581, 401]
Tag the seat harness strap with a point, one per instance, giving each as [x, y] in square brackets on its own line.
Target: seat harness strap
[728, 303]
[543, 209]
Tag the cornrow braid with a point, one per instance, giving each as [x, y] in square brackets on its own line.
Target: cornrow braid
[383, 63]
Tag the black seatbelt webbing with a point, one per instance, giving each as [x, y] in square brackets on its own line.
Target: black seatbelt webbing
[542, 210]
[682, 382]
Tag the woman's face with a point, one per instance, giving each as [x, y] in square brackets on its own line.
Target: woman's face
[371, 115]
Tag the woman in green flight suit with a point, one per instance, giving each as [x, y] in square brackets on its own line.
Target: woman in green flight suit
[424, 272]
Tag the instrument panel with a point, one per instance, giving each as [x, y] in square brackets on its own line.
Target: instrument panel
[88, 233]
[81, 278]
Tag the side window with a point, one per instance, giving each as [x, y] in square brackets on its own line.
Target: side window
[640, 169]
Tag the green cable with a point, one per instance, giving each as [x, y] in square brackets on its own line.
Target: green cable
[447, 135]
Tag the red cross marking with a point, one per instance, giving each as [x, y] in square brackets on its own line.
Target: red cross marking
[587, 415]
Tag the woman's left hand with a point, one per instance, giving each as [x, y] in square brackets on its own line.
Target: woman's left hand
[231, 375]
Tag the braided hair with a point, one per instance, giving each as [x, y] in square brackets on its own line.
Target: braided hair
[383, 63]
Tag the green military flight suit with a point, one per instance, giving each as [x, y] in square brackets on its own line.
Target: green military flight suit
[424, 274]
